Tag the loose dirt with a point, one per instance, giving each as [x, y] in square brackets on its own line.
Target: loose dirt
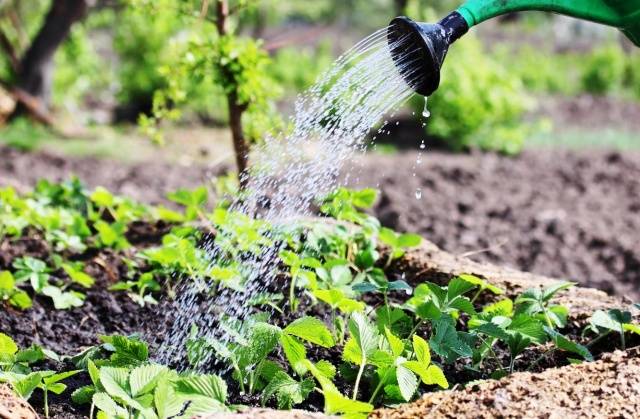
[608, 388]
[566, 214]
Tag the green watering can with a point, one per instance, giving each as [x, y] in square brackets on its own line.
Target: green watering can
[419, 49]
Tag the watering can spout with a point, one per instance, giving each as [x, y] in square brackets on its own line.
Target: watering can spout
[419, 49]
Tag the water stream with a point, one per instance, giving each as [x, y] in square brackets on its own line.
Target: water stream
[329, 127]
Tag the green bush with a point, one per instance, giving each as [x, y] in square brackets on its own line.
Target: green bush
[604, 70]
[479, 103]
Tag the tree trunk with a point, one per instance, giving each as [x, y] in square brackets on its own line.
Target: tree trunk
[240, 145]
[35, 69]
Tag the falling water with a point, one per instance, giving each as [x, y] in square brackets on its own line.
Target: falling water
[293, 169]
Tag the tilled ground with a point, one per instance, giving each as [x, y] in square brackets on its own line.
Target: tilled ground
[564, 214]
[579, 215]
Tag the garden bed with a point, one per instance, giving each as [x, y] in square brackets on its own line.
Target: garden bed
[108, 312]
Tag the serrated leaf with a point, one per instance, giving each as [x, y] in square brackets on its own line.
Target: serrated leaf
[528, 327]
[143, 378]
[312, 330]
[7, 345]
[165, 399]
[295, 353]
[422, 350]
[209, 385]
[116, 382]
[407, 381]
[262, 339]
[395, 343]
[326, 368]
[83, 395]
[457, 287]
[105, 403]
[288, 392]
[363, 333]
[202, 406]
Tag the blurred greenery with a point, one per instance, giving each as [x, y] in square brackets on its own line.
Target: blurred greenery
[159, 59]
[479, 103]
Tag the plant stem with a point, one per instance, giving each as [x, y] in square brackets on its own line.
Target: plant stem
[415, 329]
[46, 403]
[386, 304]
[622, 339]
[292, 294]
[360, 371]
[378, 387]
[512, 363]
[477, 294]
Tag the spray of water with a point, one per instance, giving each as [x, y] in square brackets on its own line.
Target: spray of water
[292, 170]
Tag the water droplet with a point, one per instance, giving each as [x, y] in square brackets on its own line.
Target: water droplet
[418, 193]
[397, 123]
[422, 146]
[426, 113]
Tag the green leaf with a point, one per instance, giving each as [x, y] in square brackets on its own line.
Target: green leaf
[203, 406]
[165, 399]
[128, 350]
[409, 240]
[143, 378]
[457, 287]
[421, 349]
[20, 300]
[429, 374]
[447, 342]
[78, 277]
[27, 384]
[210, 386]
[568, 345]
[529, 327]
[407, 381]
[105, 403]
[51, 379]
[288, 392]
[312, 330]
[396, 344]
[295, 353]
[63, 300]
[327, 369]
[102, 197]
[7, 282]
[336, 403]
[472, 279]
[116, 382]
[363, 333]
[7, 345]
[83, 395]
[262, 338]
[551, 291]
[500, 308]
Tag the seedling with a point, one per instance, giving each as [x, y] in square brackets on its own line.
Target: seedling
[398, 243]
[10, 293]
[537, 302]
[603, 323]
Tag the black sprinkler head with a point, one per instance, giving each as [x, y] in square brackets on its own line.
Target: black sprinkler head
[418, 49]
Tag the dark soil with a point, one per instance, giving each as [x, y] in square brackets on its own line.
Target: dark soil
[564, 214]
